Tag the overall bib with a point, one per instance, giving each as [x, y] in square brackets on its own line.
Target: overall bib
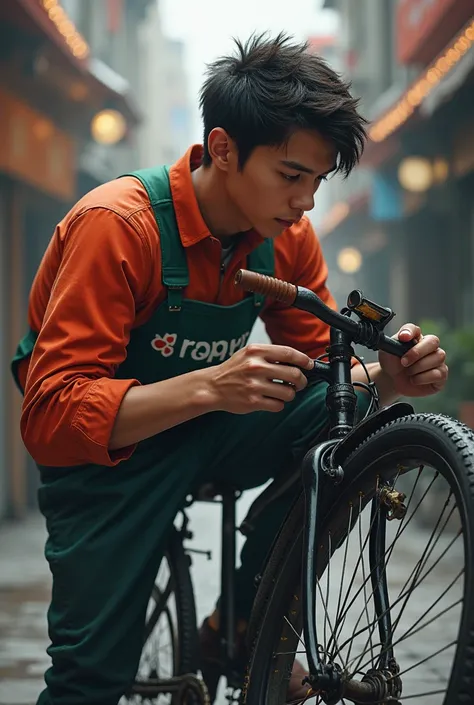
[107, 526]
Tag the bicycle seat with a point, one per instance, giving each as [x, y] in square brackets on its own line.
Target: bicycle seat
[208, 491]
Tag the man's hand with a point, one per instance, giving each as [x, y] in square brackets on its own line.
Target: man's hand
[422, 370]
[245, 382]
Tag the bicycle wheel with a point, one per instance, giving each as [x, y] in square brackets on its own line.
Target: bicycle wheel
[429, 574]
[170, 632]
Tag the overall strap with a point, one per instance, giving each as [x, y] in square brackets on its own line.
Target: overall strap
[174, 268]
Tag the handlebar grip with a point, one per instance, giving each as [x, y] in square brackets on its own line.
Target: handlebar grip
[395, 347]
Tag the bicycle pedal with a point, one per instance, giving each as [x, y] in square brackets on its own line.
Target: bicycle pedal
[200, 552]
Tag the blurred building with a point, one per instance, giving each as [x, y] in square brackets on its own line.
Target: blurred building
[89, 89]
[408, 210]
[72, 101]
[166, 130]
[112, 31]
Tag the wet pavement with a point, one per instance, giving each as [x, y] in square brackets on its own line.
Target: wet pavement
[25, 590]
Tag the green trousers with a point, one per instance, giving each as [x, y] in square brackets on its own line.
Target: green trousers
[107, 528]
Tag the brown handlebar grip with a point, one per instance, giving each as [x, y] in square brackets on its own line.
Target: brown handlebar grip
[268, 286]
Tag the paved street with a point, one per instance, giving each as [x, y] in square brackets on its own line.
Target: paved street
[25, 586]
[25, 590]
[24, 595]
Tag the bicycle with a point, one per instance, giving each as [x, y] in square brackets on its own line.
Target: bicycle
[378, 464]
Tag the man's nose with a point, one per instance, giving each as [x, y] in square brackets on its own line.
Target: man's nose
[303, 202]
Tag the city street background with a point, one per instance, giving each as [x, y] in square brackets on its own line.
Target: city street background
[90, 89]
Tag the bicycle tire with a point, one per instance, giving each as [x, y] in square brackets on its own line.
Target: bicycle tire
[279, 589]
[185, 635]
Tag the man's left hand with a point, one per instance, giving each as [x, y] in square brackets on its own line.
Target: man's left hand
[422, 370]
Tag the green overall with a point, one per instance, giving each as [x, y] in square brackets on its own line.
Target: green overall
[107, 526]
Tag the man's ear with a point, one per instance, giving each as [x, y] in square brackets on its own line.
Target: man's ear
[222, 149]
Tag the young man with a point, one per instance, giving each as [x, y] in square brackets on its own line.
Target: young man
[137, 381]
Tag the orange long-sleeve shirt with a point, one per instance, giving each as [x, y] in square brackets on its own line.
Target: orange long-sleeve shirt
[101, 277]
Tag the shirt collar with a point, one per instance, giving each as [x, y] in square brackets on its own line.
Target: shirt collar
[191, 224]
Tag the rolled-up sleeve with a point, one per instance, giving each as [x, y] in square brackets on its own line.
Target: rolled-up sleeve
[71, 397]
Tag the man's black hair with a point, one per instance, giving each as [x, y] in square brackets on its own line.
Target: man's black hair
[271, 88]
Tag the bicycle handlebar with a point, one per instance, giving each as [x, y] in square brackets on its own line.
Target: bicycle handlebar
[361, 332]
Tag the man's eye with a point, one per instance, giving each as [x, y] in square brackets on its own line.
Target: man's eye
[323, 178]
[290, 177]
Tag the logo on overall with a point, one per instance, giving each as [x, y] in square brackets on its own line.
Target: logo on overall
[164, 344]
[198, 349]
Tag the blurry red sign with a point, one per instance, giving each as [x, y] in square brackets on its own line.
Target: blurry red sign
[114, 15]
[424, 27]
[34, 150]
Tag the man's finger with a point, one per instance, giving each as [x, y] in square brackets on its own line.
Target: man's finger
[427, 362]
[409, 331]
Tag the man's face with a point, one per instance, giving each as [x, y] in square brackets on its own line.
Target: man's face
[277, 184]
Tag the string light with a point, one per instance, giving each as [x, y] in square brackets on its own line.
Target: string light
[74, 40]
[423, 86]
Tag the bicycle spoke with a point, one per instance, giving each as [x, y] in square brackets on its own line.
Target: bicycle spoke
[294, 630]
[160, 601]
[433, 605]
[328, 646]
[401, 698]
[403, 524]
[326, 613]
[365, 607]
[440, 651]
[397, 621]
[399, 599]
[427, 553]
[433, 619]
[430, 621]
[402, 596]
[327, 586]
[344, 563]
[387, 555]
[418, 695]
[339, 619]
[310, 694]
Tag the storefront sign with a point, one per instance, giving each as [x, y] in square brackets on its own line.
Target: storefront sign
[425, 26]
[34, 150]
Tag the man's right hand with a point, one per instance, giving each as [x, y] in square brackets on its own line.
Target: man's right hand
[246, 382]
[240, 385]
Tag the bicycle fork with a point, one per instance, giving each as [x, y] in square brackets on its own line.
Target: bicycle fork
[327, 678]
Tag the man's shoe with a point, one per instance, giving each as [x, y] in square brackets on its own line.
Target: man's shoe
[209, 659]
[211, 663]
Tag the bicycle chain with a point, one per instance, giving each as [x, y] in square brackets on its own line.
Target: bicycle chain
[183, 686]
